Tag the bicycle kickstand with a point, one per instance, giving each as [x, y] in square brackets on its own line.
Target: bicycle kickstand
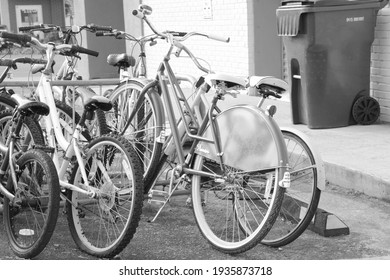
[170, 193]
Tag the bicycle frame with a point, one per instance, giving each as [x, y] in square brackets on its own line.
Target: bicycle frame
[190, 117]
[55, 135]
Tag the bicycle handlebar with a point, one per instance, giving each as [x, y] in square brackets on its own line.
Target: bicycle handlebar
[95, 28]
[11, 63]
[184, 36]
[43, 27]
[6, 62]
[218, 38]
[25, 38]
[39, 27]
[25, 60]
[79, 49]
[20, 38]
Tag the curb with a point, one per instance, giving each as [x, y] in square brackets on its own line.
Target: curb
[357, 180]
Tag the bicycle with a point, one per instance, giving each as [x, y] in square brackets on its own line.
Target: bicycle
[133, 77]
[306, 168]
[29, 184]
[67, 116]
[103, 190]
[307, 175]
[5, 101]
[71, 95]
[222, 180]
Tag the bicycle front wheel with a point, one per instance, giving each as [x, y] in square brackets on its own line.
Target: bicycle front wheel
[302, 197]
[6, 102]
[102, 226]
[146, 127]
[31, 218]
[236, 204]
[30, 133]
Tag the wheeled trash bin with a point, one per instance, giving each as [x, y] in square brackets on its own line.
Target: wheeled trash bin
[328, 50]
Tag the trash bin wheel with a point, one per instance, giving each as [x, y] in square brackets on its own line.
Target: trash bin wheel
[366, 110]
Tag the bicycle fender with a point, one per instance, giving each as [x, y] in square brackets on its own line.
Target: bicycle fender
[250, 140]
[319, 163]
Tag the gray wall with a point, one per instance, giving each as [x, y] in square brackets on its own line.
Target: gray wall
[265, 46]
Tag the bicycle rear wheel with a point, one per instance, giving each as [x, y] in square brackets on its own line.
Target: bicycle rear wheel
[103, 226]
[236, 208]
[302, 197]
[147, 126]
[30, 220]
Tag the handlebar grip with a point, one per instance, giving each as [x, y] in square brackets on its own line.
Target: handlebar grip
[219, 38]
[138, 14]
[6, 62]
[28, 60]
[21, 38]
[99, 27]
[38, 61]
[79, 49]
[31, 27]
[177, 33]
[104, 33]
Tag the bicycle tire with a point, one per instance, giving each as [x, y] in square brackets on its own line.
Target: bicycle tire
[301, 198]
[144, 133]
[88, 218]
[68, 122]
[6, 103]
[30, 226]
[236, 211]
[97, 126]
[30, 127]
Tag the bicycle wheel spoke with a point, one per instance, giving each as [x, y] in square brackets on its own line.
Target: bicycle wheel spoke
[301, 198]
[30, 219]
[235, 206]
[104, 224]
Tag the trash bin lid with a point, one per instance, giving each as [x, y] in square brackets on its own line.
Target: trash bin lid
[322, 3]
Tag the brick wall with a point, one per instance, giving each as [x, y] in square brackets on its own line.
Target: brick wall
[229, 18]
[380, 63]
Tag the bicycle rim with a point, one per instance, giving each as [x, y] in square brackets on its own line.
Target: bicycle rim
[146, 127]
[31, 221]
[104, 225]
[234, 215]
[301, 198]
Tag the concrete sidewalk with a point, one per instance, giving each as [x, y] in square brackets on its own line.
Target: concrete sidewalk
[356, 157]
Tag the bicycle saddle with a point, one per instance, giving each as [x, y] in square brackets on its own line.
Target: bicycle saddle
[257, 81]
[36, 68]
[229, 80]
[27, 107]
[92, 101]
[121, 60]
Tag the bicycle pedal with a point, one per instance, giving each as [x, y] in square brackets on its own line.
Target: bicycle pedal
[158, 197]
[46, 149]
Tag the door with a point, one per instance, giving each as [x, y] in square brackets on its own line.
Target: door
[105, 13]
